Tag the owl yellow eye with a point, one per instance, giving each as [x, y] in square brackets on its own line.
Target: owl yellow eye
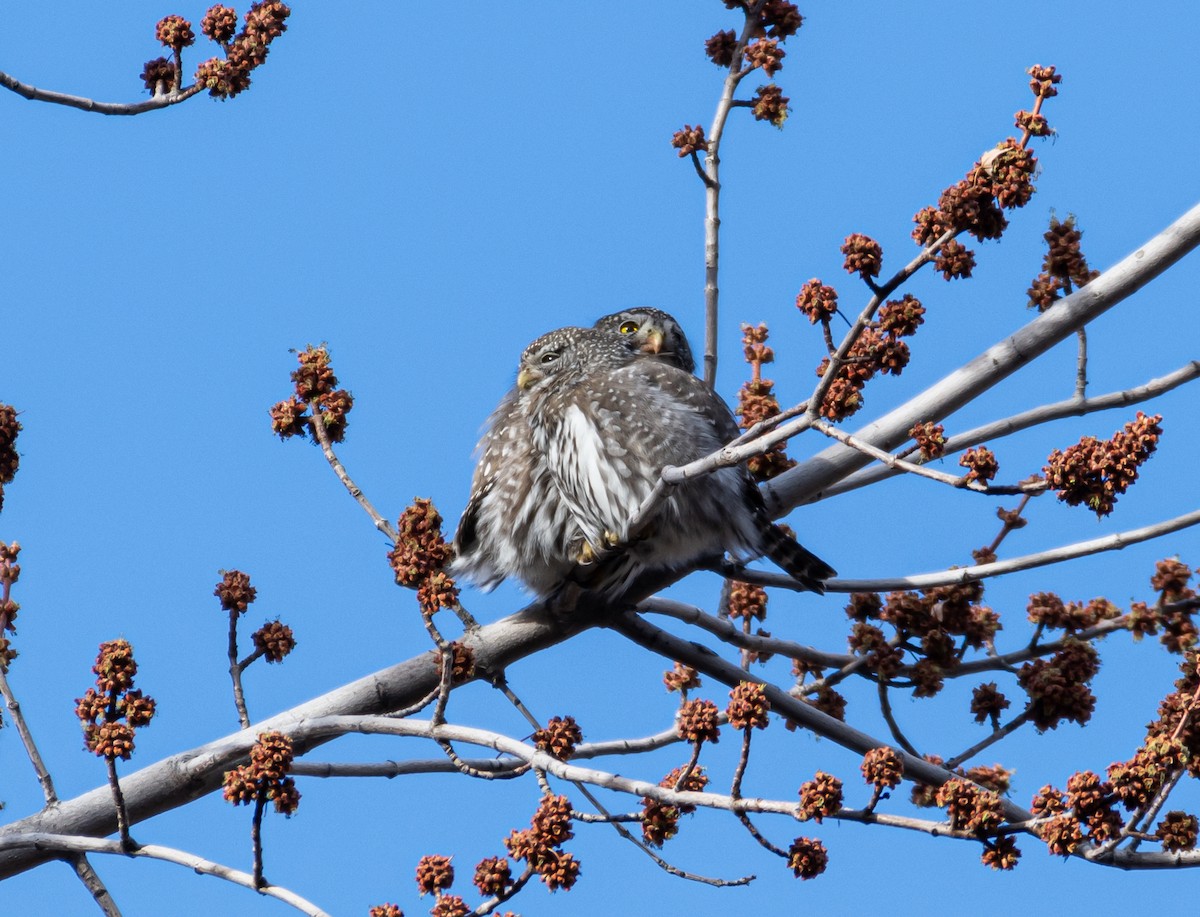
[628, 327]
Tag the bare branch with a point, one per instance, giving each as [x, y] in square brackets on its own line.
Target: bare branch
[1071, 407]
[154, 103]
[809, 479]
[59, 843]
[1115, 542]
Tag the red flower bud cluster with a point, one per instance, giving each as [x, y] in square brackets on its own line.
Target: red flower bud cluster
[540, 844]
[314, 384]
[244, 53]
[265, 778]
[9, 460]
[112, 710]
[1064, 268]
[1096, 472]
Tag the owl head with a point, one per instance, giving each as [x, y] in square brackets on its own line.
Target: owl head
[651, 332]
[566, 354]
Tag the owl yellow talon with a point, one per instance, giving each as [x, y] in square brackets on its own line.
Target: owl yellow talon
[612, 539]
[586, 555]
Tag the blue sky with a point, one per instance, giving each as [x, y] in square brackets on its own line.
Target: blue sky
[427, 197]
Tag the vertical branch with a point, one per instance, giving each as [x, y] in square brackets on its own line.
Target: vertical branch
[1081, 366]
[235, 671]
[712, 197]
[119, 802]
[256, 838]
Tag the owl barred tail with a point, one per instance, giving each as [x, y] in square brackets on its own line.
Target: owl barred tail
[797, 561]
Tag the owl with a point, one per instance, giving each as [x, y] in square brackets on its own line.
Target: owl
[515, 523]
[605, 422]
[651, 332]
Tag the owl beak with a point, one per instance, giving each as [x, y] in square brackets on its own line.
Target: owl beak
[654, 342]
[525, 378]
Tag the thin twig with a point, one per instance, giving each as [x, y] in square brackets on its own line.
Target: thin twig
[960, 482]
[154, 103]
[339, 469]
[74, 844]
[235, 670]
[119, 802]
[997, 734]
[256, 838]
[1115, 542]
[1059, 410]
[885, 707]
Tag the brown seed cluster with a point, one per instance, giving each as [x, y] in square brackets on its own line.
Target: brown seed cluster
[698, 721]
[1057, 687]
[720, 47]
[234, 591]
[829, 702]
[462, 666]
[757, 402]
[449, 906]
[1002, 179]
[159, 75]
[434, 874]
[1047, 610]
[315, 388]
[174, 32]
[1177, 719]
[10, 572]
[1064, 269]
[864, 256]
[1174, 610]
[981, 464]
[817, 301]
[244, 52]
[987, 703]
[420, 553]
[748, 706]
[1002, 853]
[1136, 782]
[820, 798]
[1177, 831]
[807, 858]
[274, 640]
[9, 460]
[1096, 472]
[878, 349]
[1090, 800]
[968, 807]
[882, 658]
[937, 626]
[539, 845]
[660, 822]
[385, 910]
[681, 678]
[559, 738]
[930, 439]
[493, 876]
[882, 768]
[747, 601]
[111, 711]
[770, 104]
[690, 140]
[765, 53]
[265, 778]
[219, 24]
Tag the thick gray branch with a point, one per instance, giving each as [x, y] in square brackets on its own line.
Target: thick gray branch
[810, 478]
